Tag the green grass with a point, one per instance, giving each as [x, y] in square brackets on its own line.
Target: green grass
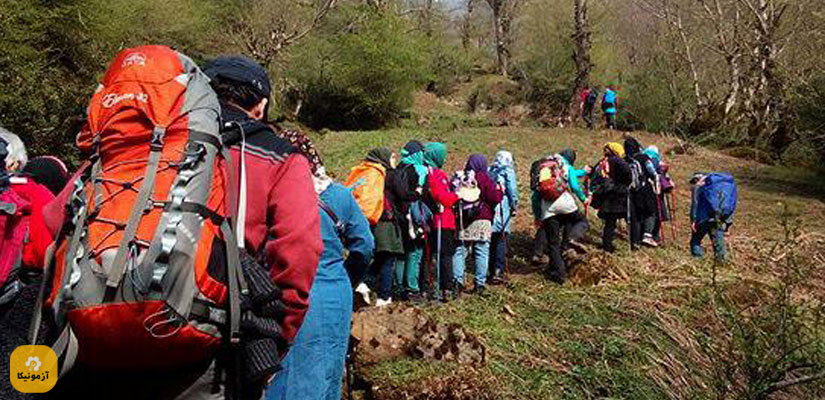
[635, 334]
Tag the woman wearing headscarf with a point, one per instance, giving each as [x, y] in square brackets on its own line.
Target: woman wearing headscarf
[503, 172]
[48, 171]
[477, 234]
[443, 199]
[643, 192]
[314, 366]
[560, 218]
[389, 248]
[411, 169]
[609, 182]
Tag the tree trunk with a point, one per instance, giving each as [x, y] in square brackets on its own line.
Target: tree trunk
[581, 54]
[501, 27]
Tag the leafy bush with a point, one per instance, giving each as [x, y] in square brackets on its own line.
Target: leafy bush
[358, 71]
[52, 53]
[493, 92]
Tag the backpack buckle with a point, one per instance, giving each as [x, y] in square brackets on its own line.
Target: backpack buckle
[156, 144]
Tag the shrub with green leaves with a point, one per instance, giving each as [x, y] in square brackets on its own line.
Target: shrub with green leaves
[358, 71]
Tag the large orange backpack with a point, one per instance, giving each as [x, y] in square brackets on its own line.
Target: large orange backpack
[146, 272]
[367, 183]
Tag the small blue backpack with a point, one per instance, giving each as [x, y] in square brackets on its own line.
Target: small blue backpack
[717, 198]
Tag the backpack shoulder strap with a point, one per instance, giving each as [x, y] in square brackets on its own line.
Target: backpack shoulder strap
[340, 229]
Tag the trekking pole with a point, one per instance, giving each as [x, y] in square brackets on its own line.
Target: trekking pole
[673, 227]
[661, 218]
[438, 254]
[629, 223]
[506, 244]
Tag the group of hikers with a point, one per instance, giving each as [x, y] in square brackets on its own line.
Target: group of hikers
[609, 105]
[201, 251]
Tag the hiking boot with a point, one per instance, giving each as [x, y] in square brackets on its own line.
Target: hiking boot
[364, 291]
[577, 246]
[609, 248]
[417, 298]
[555, 278]
[480, 291]
[498, 280]
[383, 303]
[649, 242]
[447, 296]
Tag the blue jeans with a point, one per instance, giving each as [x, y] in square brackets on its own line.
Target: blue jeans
[717, 235]
[481, 256]
[314, 367]
[385, 264]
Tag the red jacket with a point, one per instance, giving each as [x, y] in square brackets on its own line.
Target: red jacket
[283, 226]
[439, 185]
[39, 237]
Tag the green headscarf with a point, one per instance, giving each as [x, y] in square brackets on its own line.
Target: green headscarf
[435, 154]
[413, 154]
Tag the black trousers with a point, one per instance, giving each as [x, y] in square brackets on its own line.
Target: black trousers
[609, 233]
[449, 241]
[540, 243]
[560, 229]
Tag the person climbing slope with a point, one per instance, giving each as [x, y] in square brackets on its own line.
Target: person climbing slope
[503, 172]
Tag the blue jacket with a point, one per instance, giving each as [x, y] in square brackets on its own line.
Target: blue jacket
[359, 240]
[609, 97]
[506, 177]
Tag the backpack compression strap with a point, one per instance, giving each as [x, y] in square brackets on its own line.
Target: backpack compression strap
[119, 263]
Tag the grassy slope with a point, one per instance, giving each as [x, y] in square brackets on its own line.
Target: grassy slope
[634, 334]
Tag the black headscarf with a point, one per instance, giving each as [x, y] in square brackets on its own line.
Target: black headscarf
[632, 147]
[380, 155]
[48, 171]
[569, 155]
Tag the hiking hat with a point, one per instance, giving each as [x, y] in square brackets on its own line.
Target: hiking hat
[240, 69]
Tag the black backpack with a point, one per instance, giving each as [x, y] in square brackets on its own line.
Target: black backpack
[592, 98]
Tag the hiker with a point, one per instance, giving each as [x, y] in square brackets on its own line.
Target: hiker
[588, 105]
[283, 225]
[367, 181]
[665, 187]
[407, 273]
[34, 194]
[48, 171]
[15, 150]
[503, 172]
[389, 248]
[644, 191]
[314, 366]
[609, 187]
[23, 242]
[442, 199]
[712, 206]
[476, 231]
[610, 104]
[554, 181]
[278, 226]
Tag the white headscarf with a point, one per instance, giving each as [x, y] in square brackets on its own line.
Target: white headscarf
[504, 159]
[16, 156]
